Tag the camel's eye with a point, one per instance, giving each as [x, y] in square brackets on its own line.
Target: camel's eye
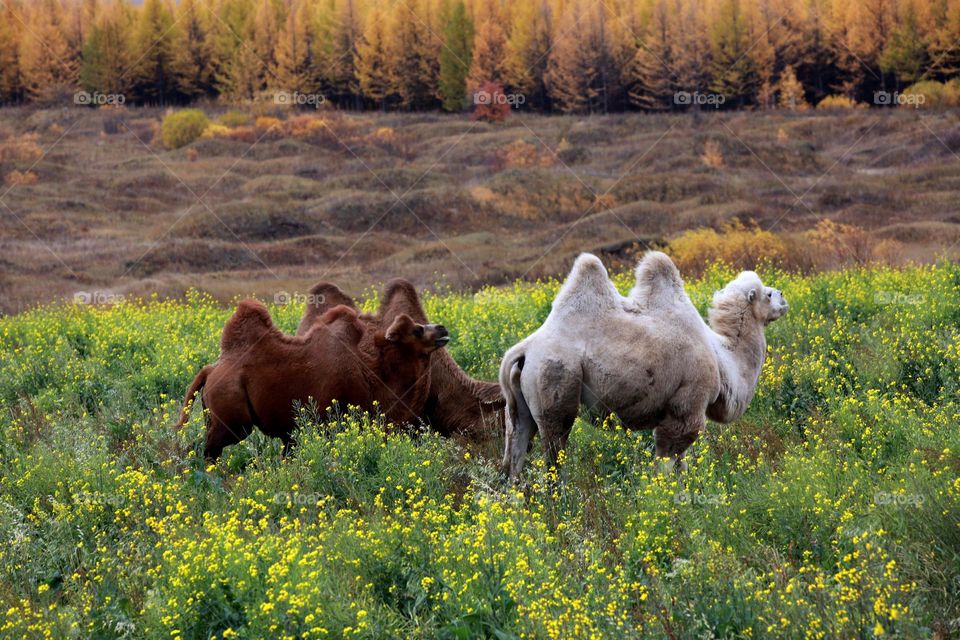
[418, 331]
[770, 294]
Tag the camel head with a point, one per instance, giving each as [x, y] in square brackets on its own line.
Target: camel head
[422, 339]
[746, 294]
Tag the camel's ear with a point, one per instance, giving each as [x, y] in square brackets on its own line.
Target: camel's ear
[398, 328]
[752, 295]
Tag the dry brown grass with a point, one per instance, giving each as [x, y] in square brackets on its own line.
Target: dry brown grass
[359, 198]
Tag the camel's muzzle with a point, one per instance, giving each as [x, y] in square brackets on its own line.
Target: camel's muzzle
[443, 336]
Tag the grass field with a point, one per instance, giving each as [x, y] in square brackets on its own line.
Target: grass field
[93, 203]
[831, 509]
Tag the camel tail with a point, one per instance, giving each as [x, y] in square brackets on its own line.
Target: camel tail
[192, 390]
[519, 421]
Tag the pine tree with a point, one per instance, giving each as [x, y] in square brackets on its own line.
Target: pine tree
[292, 71]
[791, 91]
[373, 78]
[906, 52]
[734, 71]
[943, 50]
[153, 74]
[231, 60]
[338, 32]
[10, 87]
[107, 52]
[413, 61]
[571, 70]
[193, 53]
[489, 48]
[48, 68]
[455, 58]
[651, 74]
[527, 51]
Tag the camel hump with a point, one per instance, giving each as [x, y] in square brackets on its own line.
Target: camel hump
[324, 296]
[247, 326]
[587, 288]
[344, 323]
[658, 280]
[400, 296]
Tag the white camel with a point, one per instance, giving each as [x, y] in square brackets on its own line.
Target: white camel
[647, 357]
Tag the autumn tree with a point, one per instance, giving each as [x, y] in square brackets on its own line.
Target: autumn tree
[10, 88]
[651, 73]
[48, 68]
[413, 55]
[338, 33]
[107, 52]
[905, 54]
[373, 78]
[734, 71]
[292, 71]
[232, 58]
[582, 72]
[791, 91]
[153, 73]
[455, 57]
[528, 50]
[193, 51]
[489, 47]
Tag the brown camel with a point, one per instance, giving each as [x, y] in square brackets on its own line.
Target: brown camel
[261, 372]
[457, 404]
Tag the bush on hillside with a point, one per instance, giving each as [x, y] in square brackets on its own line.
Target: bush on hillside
[183, 127]
[838, 102]
[935, 94]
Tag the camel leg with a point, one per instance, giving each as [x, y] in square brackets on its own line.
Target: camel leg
[221, 434]
[228, 418]
[554, 400]
[674, 436]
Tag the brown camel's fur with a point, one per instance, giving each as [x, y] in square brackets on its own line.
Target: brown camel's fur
[261, 372]
[457, 403]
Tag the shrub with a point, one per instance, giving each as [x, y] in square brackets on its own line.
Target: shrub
[235, 119]
[23, 150]
[183, 127]
[217, 131]
[712, 154]
[18, 178]
[738, 245]
[486, 106]
[269, 122]
[935, 94]
[838, 102]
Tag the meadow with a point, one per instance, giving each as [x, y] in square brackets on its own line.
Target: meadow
[831, 509]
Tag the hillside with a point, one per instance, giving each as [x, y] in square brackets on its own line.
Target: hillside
[370, 196]
[829, 510]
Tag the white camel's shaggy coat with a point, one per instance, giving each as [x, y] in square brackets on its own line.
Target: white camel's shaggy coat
[648, 357]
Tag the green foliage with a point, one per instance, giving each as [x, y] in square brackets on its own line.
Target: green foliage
[830, 509]
[455, 58]
[183, 127]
